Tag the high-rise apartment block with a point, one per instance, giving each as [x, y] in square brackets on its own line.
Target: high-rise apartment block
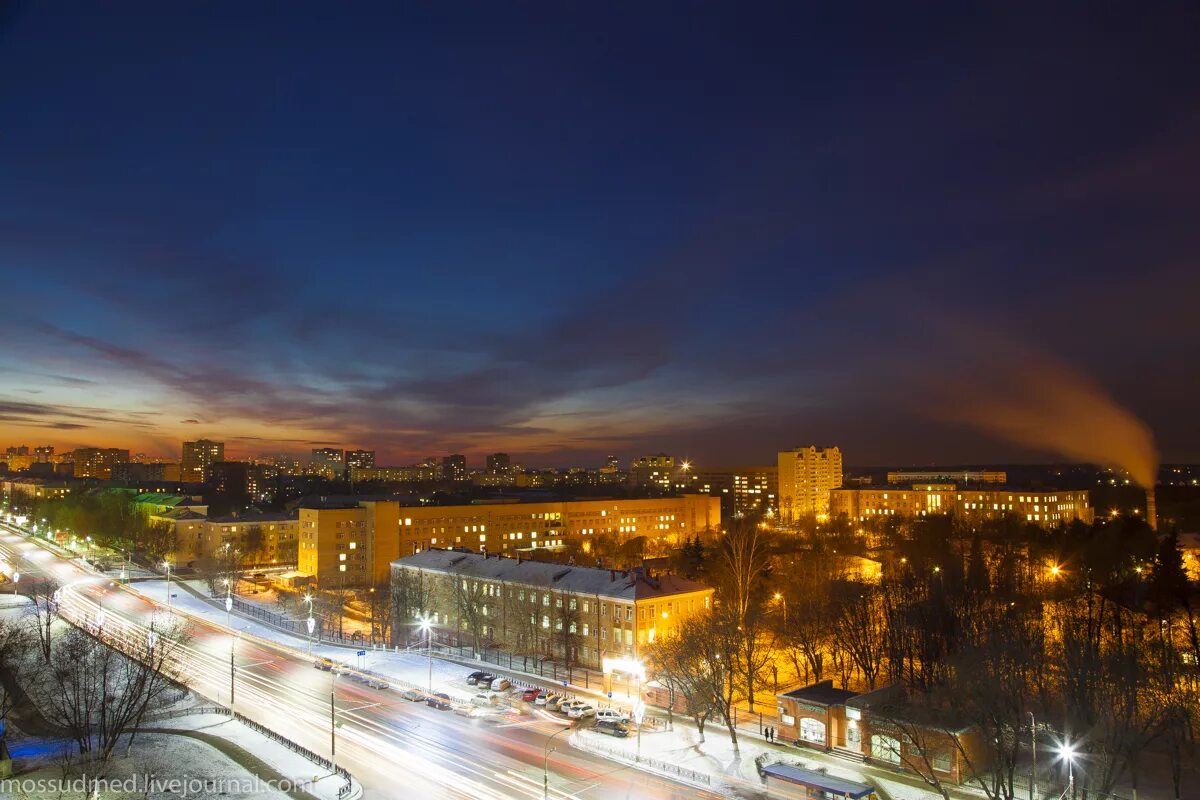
[806, 477]
[97, 462]
[329, 462]
[363, 459]
[743, 490]
[198, 456]
[454, 468]
[498, 463]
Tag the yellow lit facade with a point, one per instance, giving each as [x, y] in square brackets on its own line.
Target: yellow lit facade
[1039, 507]
[806, 477]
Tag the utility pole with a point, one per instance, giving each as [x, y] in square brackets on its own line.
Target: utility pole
[1033, 751]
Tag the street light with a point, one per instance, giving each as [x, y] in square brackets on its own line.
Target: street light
[546, 763]
[782, 602]
[426, 628]
[167, 566]
[1067, 752]
[312, 623]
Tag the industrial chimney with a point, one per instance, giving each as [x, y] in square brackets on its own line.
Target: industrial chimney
[1151, 509]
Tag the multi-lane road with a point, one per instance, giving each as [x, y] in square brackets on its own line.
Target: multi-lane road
[393, 747]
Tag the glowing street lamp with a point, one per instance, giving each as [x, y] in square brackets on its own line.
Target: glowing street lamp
[1067, 752]
[426, 627]
[312, 623]
[167, 567]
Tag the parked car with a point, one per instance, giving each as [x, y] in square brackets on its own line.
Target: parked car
[501, 685]
[556, 702]
[464, 709]
[412, 694]
[323, 664]
[613, 715]
[581, 711]
[566, 705]
[480, 678]
[531, 695]
[610, 728]
[482, 699]
[544, 698]
[377, 683]
[439, 700]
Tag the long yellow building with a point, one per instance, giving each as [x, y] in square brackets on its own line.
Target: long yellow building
[353, 543]
[1043, 507]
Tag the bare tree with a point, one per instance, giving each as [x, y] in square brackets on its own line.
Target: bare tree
[681, 662]
[860, 629]
[744, 556]
[474, 605]
[410, 599]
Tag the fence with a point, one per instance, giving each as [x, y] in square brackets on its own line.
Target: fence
[690, 775]
[263, 730]
[291, 625]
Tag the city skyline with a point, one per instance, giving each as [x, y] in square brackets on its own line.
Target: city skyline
[711, 246]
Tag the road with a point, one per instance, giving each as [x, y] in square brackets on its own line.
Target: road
[393, 747]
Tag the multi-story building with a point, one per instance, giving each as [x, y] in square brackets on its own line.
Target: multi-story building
[360, 458]
[36, 488]
[97, 462]
[262, 482]
[44, 453]
[742, 490]
[661, 471]
[596, 618]
[230, 478]
[394, 474]
[454, 468]
[498, 463]
[966, 476]
[382, 530]
[262, 540]
[141, 471]
[198, 456]
[1044, 507]
[329, 462]
[806, 476]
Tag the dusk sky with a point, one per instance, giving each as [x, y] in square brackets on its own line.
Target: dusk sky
[568, 230]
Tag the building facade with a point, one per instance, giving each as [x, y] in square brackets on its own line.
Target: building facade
[742, 490]
[806, 477]
[97, 462]
[1042, 507]
[964, 477]
[595, 618]
[360, 458]
[353, 542]
[197, 457]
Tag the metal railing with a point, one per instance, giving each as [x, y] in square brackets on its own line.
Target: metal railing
[655, 764]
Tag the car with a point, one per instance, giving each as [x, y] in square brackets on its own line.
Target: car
[544, 699]
[483, 699]
[439, 700]
[480, 677]
[464, 709]
[581, 711]
[412, 694]
[613, 715]
[531, 695]
[501, 685]
[323, 664]
[611, 728]
[565, 706]
[378, 683]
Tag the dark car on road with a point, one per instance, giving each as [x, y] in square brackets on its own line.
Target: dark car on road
[611, 728]
[440, 701]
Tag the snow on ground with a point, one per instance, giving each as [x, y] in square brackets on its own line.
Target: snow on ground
[196, 766]
[297, 768]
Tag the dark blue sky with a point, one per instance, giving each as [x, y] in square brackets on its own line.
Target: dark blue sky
[604, 228]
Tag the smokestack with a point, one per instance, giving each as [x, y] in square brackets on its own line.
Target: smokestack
[1151, 509]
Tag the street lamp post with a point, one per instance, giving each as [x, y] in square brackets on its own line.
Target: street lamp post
[546, 763]
[1033, 754]
[427, 628]
[167, 564]
[1067, 751]
[783, 604]
[312, 623]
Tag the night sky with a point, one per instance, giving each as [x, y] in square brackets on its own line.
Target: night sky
[568, 230]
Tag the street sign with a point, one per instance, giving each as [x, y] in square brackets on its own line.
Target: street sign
[610, 695]
[362, 652]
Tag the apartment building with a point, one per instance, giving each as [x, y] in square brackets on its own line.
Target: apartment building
[197, 457]
[591, 617]
[1042, 507]
[806, 476]
[741, 490]
[353, 542]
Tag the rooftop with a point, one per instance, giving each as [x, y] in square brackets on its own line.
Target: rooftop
[627, 585]
[822, 693]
